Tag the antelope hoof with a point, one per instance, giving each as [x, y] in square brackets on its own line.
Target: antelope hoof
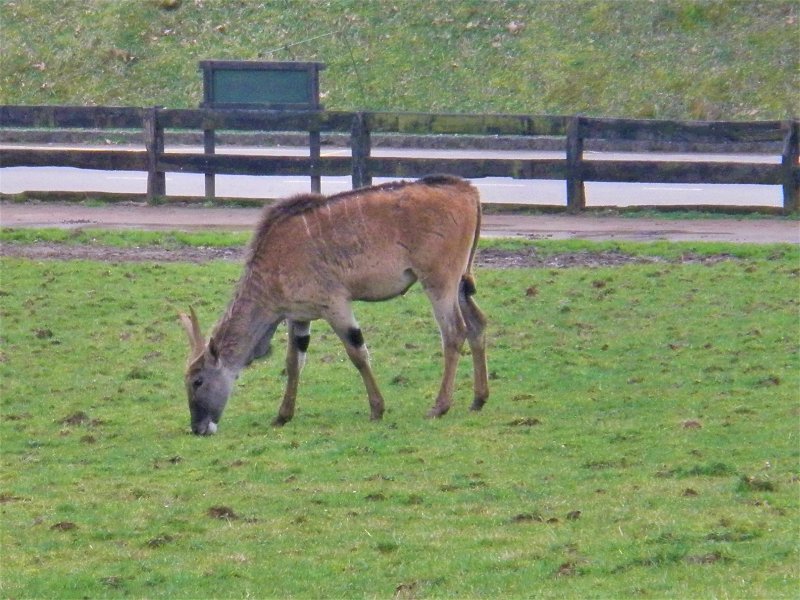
[437, 411]
[477, 404]
[280, 421]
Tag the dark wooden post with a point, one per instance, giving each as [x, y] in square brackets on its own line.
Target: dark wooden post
[789, 160]
[576, 195]
[154, 145]
[360, 148]
[314, 144]
[209, 147]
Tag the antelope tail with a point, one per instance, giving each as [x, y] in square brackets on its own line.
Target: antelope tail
[467, 280]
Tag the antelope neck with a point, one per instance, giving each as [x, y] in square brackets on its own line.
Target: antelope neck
[245, 327]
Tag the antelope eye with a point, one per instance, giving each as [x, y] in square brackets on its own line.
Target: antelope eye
[197, 382]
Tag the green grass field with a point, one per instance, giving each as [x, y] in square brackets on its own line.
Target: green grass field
[641, 441]
[685, 59]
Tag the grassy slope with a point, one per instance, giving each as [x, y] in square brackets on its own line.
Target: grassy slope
[711, 59]
[657, 400]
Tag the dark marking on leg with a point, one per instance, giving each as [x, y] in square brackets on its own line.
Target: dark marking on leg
[468, 286]
[301, 342]
[355, 337]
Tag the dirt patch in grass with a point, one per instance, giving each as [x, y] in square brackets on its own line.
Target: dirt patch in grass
[491, 257]
[51, 251]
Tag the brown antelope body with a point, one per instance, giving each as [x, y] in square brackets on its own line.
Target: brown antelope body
[312, 256]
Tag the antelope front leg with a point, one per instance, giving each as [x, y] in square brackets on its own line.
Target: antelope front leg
[299, 338]
[345, 326]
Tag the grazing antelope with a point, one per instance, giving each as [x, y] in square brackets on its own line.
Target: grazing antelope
[312, 256]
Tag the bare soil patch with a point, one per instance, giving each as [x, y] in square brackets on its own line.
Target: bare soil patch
[51, 251]
[491, 257]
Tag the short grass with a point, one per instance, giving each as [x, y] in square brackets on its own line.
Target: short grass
[124, 238]
[641, 441]
[696, 59]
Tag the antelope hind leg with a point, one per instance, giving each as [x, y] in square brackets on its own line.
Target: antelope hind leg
[476, 336]
[454, 331]
[299, 338]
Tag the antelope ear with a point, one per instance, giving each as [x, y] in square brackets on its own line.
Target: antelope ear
[213, 351]
[192, 327]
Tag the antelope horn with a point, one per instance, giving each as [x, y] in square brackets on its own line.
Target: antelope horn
[192, 327]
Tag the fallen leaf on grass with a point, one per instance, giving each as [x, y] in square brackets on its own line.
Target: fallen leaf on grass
[750, 483]
[112, 582]
[222, 512]
[567, 569]
[386, 547]
[514, 27]
[399, 380]
[406, 591]
[524, 422]
[64, 526]
[18, 417]
[81, 418]
[527, 518]
[78, 418]
[173, 460]
[7, 497]
[159, 541]
[691, 424]
[704, 559]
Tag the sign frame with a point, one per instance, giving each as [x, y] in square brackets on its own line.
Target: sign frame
[309, 89]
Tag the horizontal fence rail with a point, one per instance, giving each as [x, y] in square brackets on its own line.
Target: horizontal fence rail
[575, 169]
[80, 117]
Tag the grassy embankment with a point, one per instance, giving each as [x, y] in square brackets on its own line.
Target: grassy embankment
[668, 59]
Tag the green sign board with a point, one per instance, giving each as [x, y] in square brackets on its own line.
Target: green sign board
[258, 84]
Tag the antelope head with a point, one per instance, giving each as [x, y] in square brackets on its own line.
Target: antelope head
[208, 381]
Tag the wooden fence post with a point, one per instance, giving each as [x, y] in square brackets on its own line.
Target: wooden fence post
[210, 147]
[314, 150]
[576, 195]
[360, 147]
[154, 145]
[789, 159]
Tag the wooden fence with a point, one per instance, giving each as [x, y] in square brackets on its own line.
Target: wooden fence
[362, 166]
